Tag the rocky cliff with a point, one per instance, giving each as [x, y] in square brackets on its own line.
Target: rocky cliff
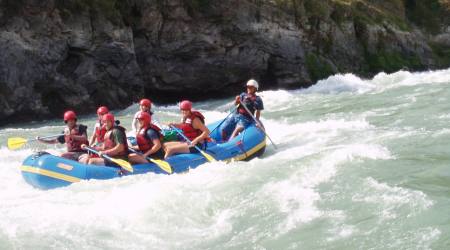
[59, 54]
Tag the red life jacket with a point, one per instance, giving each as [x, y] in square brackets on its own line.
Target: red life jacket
[73, 145]
[110, 143]
[100, 131]
[144, 143]
[188, 130]
[249, 101]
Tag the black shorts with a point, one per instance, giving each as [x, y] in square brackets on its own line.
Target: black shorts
[202, 146]
[158, 155]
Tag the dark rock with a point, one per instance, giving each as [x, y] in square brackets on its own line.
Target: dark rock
[61, 54]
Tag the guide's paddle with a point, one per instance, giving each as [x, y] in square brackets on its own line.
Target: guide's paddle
[259, 123]
[164, 165]
[206, 155]
[18, 142]
[231, 112]
[122, 163]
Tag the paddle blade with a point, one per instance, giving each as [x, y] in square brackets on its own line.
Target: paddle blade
[124, 164]
[207, 156]
[164, 165]
[16, 142]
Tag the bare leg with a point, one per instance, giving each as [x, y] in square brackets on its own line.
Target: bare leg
[180, 147]
[84, 158]
[136, 159]
[97, 161]
[236, 131]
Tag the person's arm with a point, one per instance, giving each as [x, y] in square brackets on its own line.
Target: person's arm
[135, 123]
[82, 137]
[47, 141]
[92, 140]
[198, 124]
[258, 114]
[120, 140]
[154, 149]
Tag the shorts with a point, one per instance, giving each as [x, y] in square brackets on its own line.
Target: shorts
[228, 126]
[243, 121]
[159, 155]
[73, 155]
[202, 146]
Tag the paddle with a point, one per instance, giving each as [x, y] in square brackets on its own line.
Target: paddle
[164, 165]
[206, 155]
[231, 112]
[259, 123]
[122, 163]
[18, 142]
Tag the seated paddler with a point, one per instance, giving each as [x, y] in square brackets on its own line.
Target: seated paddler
[148, 137]
[74, 135]
[193, 127]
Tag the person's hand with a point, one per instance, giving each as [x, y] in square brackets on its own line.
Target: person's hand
[83, 146]
[100, 153]
[237, 100]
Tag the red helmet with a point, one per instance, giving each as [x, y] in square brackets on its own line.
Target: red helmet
[185, 105]
[145, 117]
[70, 115]
[102, 110]
[108, 117]
[146, 103]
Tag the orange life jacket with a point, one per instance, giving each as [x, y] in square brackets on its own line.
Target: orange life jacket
[143, 142]
[73, 145]
[110, 143]
[186, 126]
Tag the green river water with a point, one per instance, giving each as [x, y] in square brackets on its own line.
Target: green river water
[361, 164]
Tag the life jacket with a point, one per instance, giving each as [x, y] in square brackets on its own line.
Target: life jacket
[110, 143]
[188, 130]
[250, 103]
[100, 131]
[143, 142]
[73, 145]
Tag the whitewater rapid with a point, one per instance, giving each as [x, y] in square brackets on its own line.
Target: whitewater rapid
[360, 164]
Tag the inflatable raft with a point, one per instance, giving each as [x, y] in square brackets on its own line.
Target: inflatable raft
[46, 171]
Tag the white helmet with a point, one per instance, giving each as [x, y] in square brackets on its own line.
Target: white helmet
[253, 83]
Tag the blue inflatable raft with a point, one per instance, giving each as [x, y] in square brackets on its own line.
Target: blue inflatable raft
[46, 171]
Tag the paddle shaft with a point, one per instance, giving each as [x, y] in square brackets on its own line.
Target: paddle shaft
[98, 153]
[46, 137]
[259, 123]
[187, 139]
[139, 153]
[231, 112]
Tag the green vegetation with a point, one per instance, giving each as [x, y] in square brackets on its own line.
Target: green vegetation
[441, 54]
[392, 61]
[317, 67]
[426, 14]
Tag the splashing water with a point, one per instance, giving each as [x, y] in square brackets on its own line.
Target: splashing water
[361, 164]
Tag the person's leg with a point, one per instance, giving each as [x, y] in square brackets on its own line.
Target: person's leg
[136, 159]
[84, 158]
[97, 161]
[227, 127]
[236, 131]
[158, 155]
[70, 155]
[180, 147]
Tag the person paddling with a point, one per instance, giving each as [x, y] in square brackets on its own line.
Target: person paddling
[74, 135]
[193, 127]
[98, 136]
[241, 119]
[145, 105]
[114, 145]
[148, 138]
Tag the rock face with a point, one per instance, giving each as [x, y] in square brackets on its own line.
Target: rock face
[79, 54]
